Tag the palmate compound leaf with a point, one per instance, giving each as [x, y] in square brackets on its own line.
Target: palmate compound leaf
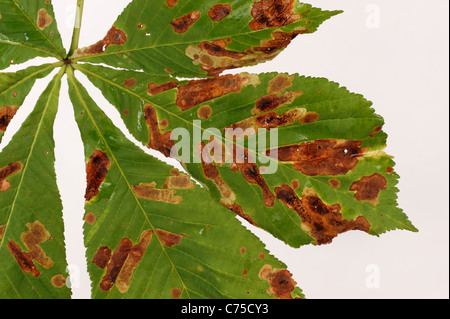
[146, 238]
[32, 251]
[27, 30]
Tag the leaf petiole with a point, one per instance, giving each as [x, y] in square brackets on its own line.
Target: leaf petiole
[76, 28]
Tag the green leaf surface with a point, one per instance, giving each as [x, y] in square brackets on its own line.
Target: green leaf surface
[193, 38]
[200, 261]
[324, 113]
[27, 30]
[31, 225]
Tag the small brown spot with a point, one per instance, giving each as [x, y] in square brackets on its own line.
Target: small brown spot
[158, 141]
[182, 24]
[334, 182]
[134, 257]
[171, 3]
[175, 293]
[126, 112]
[204, 112]
[114, 36]
[219, 11]
[36, 235]
[25, 260]
[389, 170]
[154, 88]
[174, 172]
[6, 115]
[7, 171]
[102, 256]
[295, 184]
[168, 239]
[149, 192]
[273, 13]
[310, 117]
[90, 218]
[199, 91]
[262, 255]
[368, 188]
[322, 157]
[129, 83]
[58, 281]
[163, 123]
[2, 231]
[167, 70]
[244, 272]
[242, 250]
[43, 19]
[115, 264]
[96, 170]
[280, 281]
[181, 181]
[322, 221]
[272, 102]
[279, 84]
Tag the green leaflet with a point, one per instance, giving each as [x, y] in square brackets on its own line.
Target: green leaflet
[160, 38]
[27, 30]
[14, 88]
[29, 196]
[203, 261]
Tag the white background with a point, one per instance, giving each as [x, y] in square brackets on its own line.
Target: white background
[393, 52]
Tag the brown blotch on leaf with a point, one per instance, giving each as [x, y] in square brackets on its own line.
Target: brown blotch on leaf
[280, 281]
[171, 3]
[115, 264]
[175, 293]
[6, 172]
[219, 11]
[129, 83]
[334, 183]
[242, 250]
[182, 24]
[158, 141]
[102, 256]
[250, 172]
[273, 101]
[322, 157]
[180, 181]
[25, 260]
[90, 218]
[6, 115]
[204, 112]
[217, 48]
[2, 231]
[272, 13]
[167, 238]
[198, 91]
[322, 221]
[154, 88]
[274, 120]
[134, 257]
[389, 170]
[237, 209]
[310, 117]
[114, 36]
[280, 40]
[43, 19]
[36, 235]
[295, 184]
[148, 191]
[368, 188]
[279, 84]
[58, 281]
[96, 170]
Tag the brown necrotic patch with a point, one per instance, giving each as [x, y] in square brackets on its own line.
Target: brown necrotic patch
[237, 209]
[150, 192]
[36, 235]
[134, 257]
[171, 3]
[129, 83]
[272, 13]
[180, 181]
[322, 157]
[114, 36]
[6, 115]
[219, 12]
[115, 264]
[2, 231]
[274, 120]
[58, 281]
[273, 101]
[322, 221]
[96, 170]
[175, 293]
[24, 259]
[102, 256]
[280, 281]
[198, 91]
[204, 112]
[217, 49]
[334, 183]
[154, 88]
[7, 171]
[279, 84]
[158, 141]
[90, 218]
[182, 24]
[167, 238]
[280, 40]
[43, 19]
[368, 188]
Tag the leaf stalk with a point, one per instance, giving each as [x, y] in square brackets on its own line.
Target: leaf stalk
[76, 28]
